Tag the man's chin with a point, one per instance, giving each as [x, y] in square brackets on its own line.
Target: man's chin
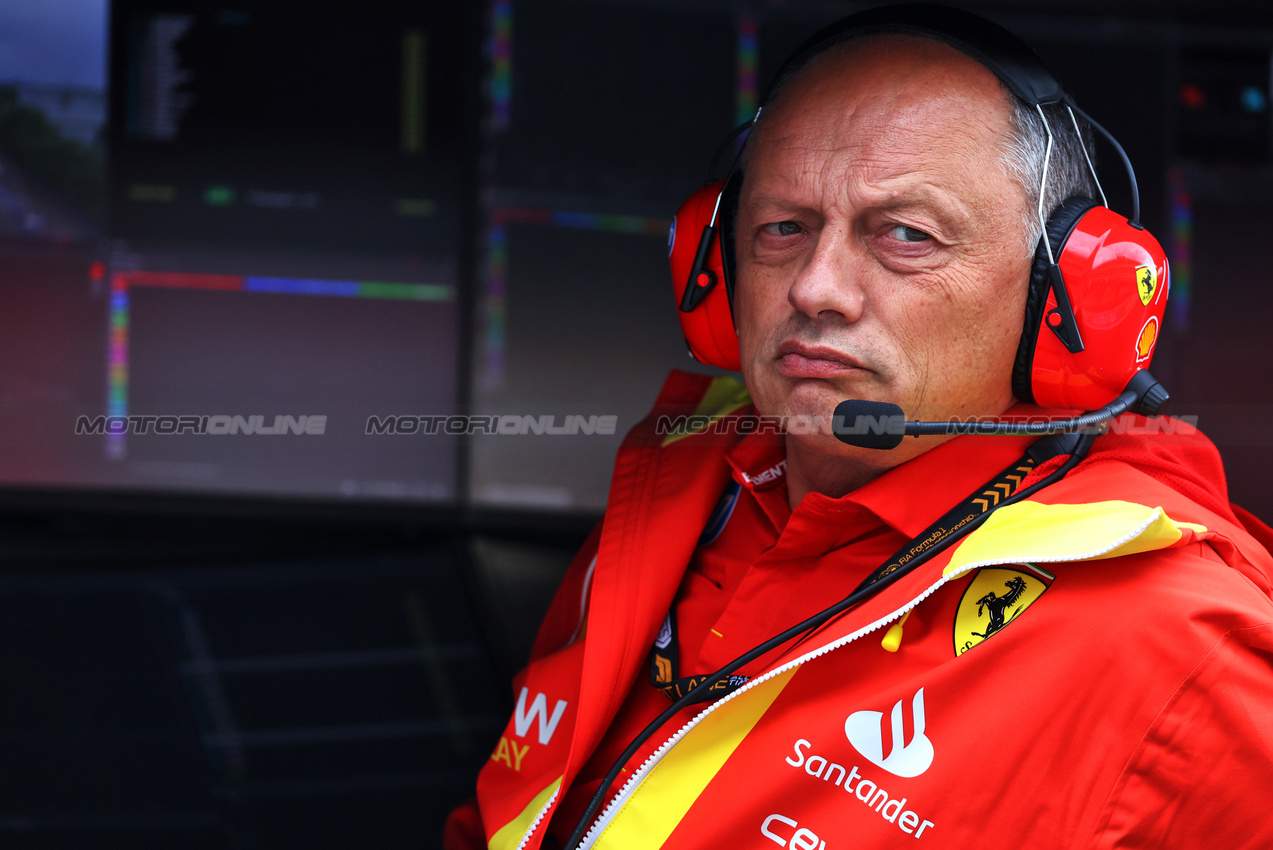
[812, 423]
[818, 400]
[807, 406]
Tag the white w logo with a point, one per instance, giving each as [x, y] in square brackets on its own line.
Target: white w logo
[864, 732]
[538, 709]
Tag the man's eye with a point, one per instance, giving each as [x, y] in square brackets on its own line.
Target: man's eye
[908, 234]
[783, 228]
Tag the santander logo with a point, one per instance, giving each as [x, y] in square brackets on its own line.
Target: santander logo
[906, 759]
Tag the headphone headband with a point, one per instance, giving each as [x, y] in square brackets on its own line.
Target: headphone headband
[1006, 55]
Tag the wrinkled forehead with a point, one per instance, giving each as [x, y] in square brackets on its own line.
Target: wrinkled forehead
[902, 87]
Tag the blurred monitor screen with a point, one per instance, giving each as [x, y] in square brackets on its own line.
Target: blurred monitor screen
[266, 262]
[576, 316]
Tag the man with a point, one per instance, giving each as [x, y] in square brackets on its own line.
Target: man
[1092, 666]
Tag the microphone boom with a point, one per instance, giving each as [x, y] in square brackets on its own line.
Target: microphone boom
[881, 425]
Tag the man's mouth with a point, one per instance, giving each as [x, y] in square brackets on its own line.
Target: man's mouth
[809, 361]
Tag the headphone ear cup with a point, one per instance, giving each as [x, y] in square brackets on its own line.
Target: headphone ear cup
[707, 324]
[1058, 228]
[1117, 278]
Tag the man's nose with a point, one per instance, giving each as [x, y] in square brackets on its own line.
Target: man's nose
[830, 280]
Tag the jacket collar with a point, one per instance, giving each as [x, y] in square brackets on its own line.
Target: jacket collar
[908, 497]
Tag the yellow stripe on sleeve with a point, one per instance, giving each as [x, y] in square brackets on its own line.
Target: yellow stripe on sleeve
[658, 805]
[510, 834]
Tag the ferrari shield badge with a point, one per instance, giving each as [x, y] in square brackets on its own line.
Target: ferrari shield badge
[995, 597]
[1146, 283]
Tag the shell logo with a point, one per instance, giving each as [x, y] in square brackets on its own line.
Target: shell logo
[1145, 342]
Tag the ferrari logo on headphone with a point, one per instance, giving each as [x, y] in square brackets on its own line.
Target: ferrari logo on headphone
[995, 598]
[1146, 283]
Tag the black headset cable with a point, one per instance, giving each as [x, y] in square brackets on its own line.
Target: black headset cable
[1075, 444]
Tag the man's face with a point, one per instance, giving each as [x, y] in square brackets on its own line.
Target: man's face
[880, 242]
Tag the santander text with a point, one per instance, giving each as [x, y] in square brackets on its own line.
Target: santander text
[875, 797]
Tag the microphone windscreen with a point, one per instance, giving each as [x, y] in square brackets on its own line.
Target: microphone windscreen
[868, 424]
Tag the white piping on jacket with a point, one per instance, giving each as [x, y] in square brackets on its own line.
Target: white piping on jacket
[638, 776]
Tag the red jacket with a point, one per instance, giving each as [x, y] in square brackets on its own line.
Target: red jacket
[1128, 701]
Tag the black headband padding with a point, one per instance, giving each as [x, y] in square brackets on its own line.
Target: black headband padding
[1007, 56]
[728, 218]
[1059, 226]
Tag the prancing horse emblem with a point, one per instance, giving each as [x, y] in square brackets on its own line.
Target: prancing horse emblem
[997, 604]
[1146, 283]
[995, 597]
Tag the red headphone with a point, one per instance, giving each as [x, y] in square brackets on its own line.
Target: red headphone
[1098, 284]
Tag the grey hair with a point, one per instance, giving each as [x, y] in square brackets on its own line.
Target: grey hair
[1068, 171]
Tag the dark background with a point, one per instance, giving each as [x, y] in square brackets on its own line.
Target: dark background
[248, 644]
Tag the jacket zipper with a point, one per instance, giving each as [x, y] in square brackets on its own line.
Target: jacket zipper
[539, 818]
[638, 776]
